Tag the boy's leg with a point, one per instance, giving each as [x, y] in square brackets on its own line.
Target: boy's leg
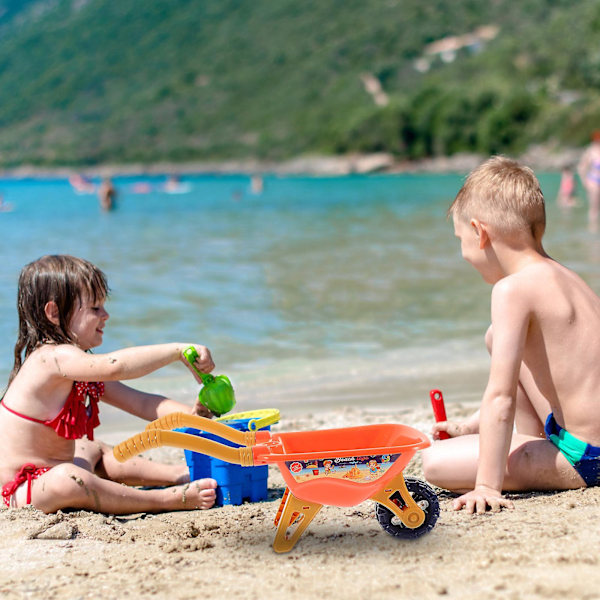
[533, 464]
[98, 458]
[70, 486]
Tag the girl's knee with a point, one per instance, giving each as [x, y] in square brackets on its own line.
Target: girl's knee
[66, 485]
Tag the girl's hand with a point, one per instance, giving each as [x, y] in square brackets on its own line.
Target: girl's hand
[204, 363]
[451, 428]
[201, 411]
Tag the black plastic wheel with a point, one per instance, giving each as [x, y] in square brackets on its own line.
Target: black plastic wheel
[427, 500]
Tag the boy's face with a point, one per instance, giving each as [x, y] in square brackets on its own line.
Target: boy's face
[470, 246]
[87, 323]
[469, 240]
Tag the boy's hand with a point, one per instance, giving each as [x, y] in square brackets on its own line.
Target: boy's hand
[451, 428]
[478, 500]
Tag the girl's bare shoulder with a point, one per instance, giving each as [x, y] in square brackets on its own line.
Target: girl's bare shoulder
[48, 357]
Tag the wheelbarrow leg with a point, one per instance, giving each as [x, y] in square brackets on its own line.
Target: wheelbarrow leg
[292, 511]
[410, 514]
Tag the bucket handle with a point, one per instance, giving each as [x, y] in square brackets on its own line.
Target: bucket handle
[179, 419]
[155, 438]
[256, 424]
[258, 419]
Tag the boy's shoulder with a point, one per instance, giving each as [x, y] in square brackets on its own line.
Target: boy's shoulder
[530, 282]
[539, 283]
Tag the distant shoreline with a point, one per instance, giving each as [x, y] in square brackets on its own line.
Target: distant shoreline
[538, 157]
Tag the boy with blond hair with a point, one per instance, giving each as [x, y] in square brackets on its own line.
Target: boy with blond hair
[544, 342]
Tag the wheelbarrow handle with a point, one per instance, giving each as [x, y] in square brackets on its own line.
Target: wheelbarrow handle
[179, 419]
[155, 438]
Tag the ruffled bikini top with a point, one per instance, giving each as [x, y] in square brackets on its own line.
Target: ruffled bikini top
[78, 416]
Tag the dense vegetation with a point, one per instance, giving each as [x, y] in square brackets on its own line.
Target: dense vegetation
[84, 82]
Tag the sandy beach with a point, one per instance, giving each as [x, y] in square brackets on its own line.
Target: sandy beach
[544, 548]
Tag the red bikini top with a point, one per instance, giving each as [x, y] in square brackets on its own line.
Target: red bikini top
[78, 416]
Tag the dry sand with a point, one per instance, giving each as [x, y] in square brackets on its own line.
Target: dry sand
[547, 547]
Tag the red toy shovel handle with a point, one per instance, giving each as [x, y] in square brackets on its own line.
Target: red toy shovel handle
[439, 410]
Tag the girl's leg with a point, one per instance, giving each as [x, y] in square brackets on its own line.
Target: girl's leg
[98, 458]
[70, 486]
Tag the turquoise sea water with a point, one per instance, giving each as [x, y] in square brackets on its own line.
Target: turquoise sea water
[318, 291]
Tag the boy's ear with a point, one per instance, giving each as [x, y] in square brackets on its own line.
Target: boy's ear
[51, 311]
[481, 231]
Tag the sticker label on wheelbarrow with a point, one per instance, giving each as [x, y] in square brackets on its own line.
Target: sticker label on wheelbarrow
[353, 468]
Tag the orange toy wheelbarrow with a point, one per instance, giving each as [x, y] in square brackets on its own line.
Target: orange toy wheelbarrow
[339, 467]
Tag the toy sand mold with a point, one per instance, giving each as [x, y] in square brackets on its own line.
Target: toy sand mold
[338, 467]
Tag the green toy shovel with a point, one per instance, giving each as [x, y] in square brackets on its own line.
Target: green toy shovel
[217, 392]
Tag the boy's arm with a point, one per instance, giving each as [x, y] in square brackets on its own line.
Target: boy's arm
[456, 429]
[510, 321]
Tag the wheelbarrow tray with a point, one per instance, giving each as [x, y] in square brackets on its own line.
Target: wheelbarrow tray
[343, 466]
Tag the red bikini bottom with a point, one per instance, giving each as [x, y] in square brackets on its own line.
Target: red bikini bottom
[26, 474]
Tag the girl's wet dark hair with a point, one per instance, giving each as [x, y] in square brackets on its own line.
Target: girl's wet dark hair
[62, 279]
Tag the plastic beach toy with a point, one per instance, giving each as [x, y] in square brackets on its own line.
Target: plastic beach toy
[341, 467]
[217, 392]
[236, 484]
[258, 419]
[439, 410]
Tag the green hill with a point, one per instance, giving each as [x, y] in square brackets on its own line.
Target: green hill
[84, 82]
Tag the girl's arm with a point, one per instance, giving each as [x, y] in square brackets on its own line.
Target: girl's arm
[70, 362]
[142, 404]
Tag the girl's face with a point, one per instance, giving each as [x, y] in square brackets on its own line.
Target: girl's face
[87, 323]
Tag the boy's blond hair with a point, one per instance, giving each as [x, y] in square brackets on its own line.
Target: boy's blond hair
[504, 194]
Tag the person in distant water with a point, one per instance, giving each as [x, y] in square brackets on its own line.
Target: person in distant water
[257, 185]
[174, 185]
[589, 172]
[4, 206]
[48, 455]
[107, 195]
[566, 190]
[81, 184]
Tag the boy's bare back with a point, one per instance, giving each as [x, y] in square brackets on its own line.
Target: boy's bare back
[562, 343]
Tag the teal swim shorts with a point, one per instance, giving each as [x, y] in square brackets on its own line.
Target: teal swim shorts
[583, 456]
